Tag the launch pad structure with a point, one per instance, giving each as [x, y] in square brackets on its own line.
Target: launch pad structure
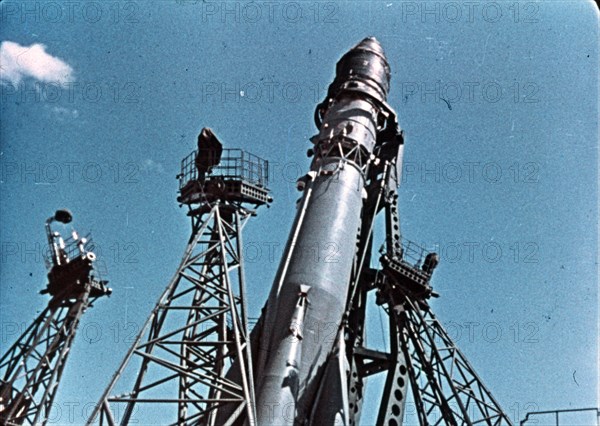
[195, 358]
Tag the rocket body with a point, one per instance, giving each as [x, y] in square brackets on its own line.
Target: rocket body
[293, 359]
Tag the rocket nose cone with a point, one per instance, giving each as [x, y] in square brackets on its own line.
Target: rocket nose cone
[366, 67]
[372, 44]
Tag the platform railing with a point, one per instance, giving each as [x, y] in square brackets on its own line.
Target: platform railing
[413, 254]
[235, 164]
[72, 251]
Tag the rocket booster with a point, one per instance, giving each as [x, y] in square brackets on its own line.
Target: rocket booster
[298, 361]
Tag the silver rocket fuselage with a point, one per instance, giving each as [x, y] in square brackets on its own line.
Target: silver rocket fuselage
[321, 250]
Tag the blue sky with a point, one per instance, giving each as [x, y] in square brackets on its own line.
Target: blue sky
[498, 101]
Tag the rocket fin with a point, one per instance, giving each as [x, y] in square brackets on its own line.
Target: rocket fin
[331, 402]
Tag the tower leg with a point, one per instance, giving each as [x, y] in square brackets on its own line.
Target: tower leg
[32, 367]
[449, 387]
[196, 331]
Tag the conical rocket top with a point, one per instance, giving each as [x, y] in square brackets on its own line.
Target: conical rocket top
[370, 44]
[363, 68]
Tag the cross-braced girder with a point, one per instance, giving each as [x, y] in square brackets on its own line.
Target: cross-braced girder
[196, 331]
[32, 367]
[445, 386]
[423, 359]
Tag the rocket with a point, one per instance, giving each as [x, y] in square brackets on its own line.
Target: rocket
[300, 364]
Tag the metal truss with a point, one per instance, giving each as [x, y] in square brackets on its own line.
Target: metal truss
[422, 360]
[196, 331]
[31, 369]
[445, 387]
[33, 366]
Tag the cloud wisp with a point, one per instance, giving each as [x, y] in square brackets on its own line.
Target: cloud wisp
[19, 62]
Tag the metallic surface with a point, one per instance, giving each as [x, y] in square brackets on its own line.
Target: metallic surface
[321, 249]
[353, 177]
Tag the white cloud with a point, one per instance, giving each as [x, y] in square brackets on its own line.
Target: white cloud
[18, 62]
[149, 165]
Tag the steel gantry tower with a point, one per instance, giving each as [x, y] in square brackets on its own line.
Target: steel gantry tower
[31, 369]
[423, 360]
[199, 327]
